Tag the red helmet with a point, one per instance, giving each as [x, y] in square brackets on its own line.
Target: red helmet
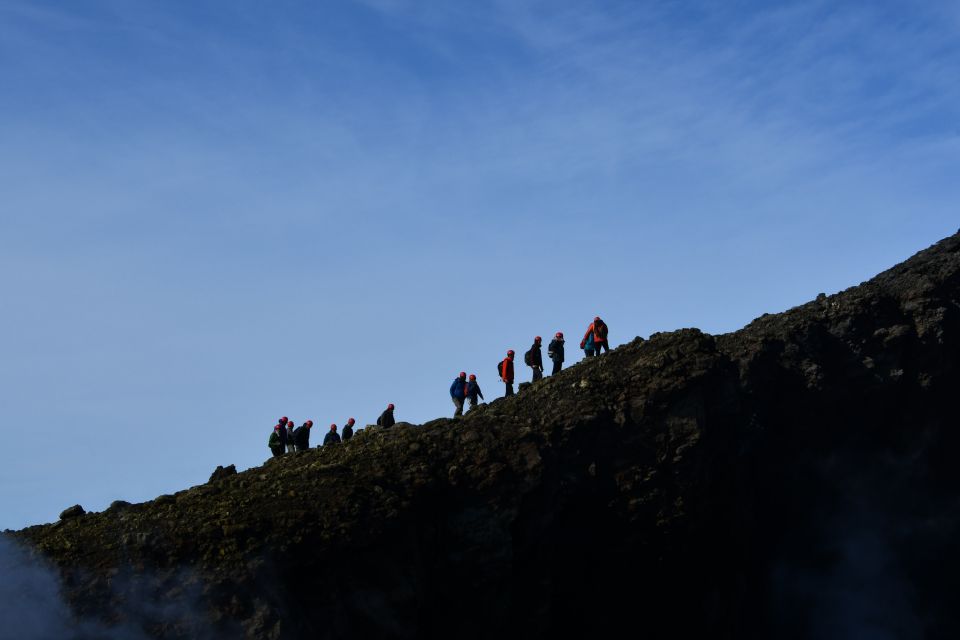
[333, 427]
[390, 406]
[473, 377]
[351, 421]
[309, 423]
[509, 353]
[597, 319]
[463, 374]
[537, 339]
[276, 427]
[283, 420]
[559, 334]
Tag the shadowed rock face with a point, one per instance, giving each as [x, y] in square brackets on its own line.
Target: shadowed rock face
[795, 479]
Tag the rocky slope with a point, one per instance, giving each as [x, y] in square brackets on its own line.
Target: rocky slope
[795, 479]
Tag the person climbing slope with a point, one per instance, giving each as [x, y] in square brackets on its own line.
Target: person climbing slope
[332, 437]
[588, 346]
[348, 430]
[505, 371]
[555, 352]
[458, 392]
[386, 418]
[473, 390]
[598, 331]
[533, 358]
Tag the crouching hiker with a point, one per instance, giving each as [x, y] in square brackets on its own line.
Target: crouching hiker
[332, 436]
[555, 351]
[348, 429]
[386, 418]
[458, 393]
[274, 442]
[473, 390]
[301, 435]
[505, 372]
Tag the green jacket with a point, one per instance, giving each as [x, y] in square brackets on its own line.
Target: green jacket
[274, 440]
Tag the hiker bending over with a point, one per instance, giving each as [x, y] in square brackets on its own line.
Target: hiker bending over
[505, 371]
[348, 429]
[597, 332]
[332, 436]
[473, 390]
[386, 418]
[458, 392]
[533, 358]
[555, 351]
[301, 436]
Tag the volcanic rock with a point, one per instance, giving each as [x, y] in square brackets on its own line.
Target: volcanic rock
[794, 479]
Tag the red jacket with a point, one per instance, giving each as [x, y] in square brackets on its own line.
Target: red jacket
[506, 370]
[599, 331]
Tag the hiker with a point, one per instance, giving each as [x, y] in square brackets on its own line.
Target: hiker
[386, 418]
[458, 392]
[291, 444]
[588, 346]
[274, 442]
[348, 430]
[283, 433]
[505, 370]
[332, 437]
[598, 331]
[555, 353]
[473, 390]
[533, 358]
[301, 436]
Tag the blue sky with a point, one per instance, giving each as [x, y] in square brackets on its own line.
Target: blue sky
[213, 214]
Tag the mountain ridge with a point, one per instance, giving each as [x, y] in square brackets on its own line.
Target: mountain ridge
[716, 485]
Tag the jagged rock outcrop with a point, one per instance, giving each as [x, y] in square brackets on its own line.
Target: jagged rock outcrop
[795, 479]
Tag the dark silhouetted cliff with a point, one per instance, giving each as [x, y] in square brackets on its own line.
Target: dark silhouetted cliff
[795, 479]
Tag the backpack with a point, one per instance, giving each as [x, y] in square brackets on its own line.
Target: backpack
[528, 358]
[500, 369]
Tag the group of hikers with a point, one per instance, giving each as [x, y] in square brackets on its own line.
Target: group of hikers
[287, 439]
[594, 340]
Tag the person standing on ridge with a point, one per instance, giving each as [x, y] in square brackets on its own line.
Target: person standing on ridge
[386, 418]
[473, 390]
[301, 436]
[332, 436]
[348, 430]
[291, 441]
[283, 432]
[555, 352]
[505, 370]
[458, 392]
[274, 442]
[533, 358]
[598, 332]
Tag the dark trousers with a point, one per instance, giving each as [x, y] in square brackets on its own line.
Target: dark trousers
[473, 402]
[458, 403]
[601, 345]
[537, 373]
[557, 365]
[509, 389]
